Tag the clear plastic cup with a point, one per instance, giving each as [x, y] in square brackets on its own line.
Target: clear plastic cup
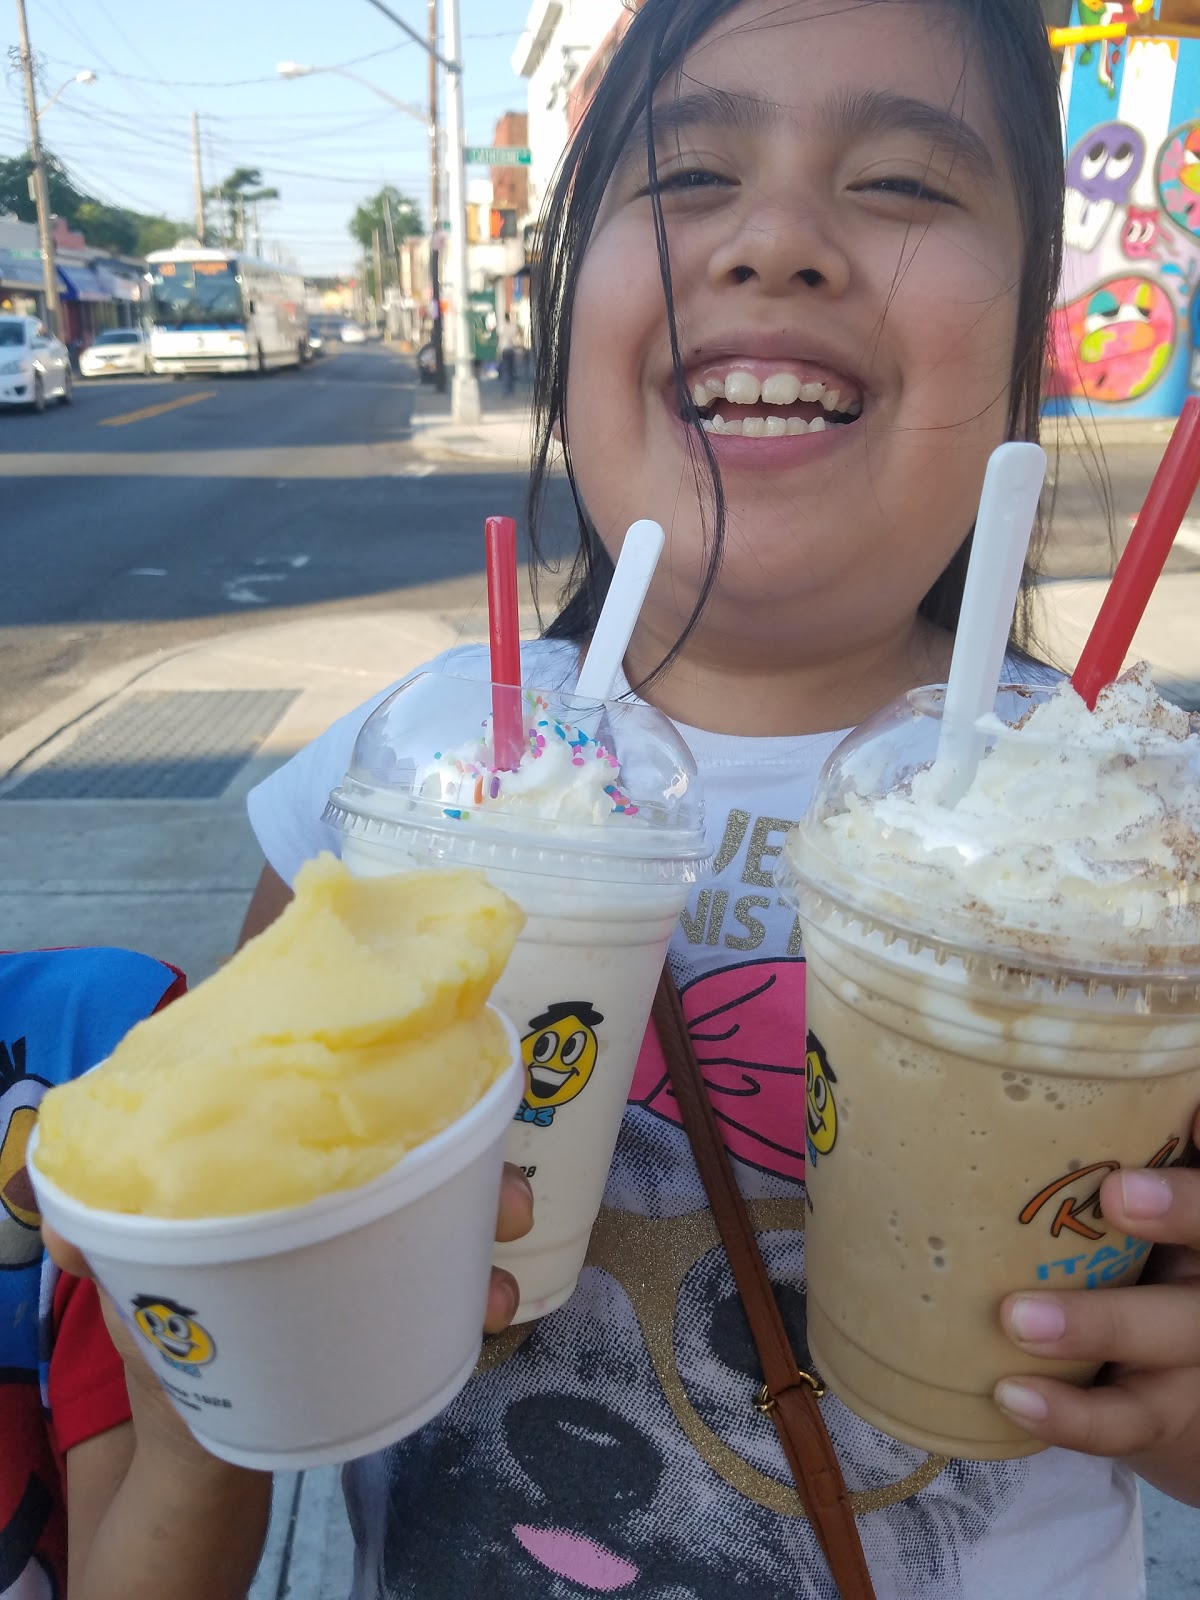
[294, 1338]
[601, 888]
[970, 1083]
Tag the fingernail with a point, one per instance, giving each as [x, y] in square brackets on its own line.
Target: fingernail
[1036, 1320]
[1026, 1405]
[1145, 1194]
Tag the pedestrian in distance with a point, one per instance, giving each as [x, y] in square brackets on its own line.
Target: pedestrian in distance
[864, 200]
[506, 352]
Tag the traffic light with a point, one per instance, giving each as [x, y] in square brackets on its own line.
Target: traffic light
[503, 223]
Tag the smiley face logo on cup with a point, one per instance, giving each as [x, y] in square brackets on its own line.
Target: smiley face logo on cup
[560, 1054]
[173, 1331]
[820, 1108]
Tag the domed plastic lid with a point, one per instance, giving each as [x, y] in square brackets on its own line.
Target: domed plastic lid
[602, 790]
[1076, 847]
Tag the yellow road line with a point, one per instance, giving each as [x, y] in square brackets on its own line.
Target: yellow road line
[157, 411]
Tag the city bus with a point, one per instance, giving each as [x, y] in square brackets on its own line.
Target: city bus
[220, 311]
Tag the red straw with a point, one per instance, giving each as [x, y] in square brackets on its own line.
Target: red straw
[508, 735]
[1144, 557]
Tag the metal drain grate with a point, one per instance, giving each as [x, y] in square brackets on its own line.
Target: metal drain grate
[186, 744]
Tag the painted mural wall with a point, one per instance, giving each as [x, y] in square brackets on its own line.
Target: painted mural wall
[1127, 331]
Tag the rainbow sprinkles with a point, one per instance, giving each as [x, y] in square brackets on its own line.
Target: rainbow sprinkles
[563, 770]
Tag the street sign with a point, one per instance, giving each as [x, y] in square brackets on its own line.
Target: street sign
[497, 155]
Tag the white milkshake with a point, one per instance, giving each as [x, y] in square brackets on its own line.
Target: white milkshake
[598, 836]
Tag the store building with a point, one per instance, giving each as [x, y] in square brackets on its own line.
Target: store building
[96, 291]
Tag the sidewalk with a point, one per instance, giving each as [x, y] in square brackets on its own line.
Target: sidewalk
[173, 876]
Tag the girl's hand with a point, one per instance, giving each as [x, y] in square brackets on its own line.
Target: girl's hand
[1146, 1407]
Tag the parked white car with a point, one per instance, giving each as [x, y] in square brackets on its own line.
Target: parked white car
[116, 350]
[352, 333]
[34, 365]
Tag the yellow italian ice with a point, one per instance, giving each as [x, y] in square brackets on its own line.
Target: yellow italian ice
[351, 1030]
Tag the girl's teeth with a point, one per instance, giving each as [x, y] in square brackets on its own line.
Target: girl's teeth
[781, 389]
[764, 427]
[743, 389]
[701, 396]
[854, 410]
[830, 399]
[811, 391]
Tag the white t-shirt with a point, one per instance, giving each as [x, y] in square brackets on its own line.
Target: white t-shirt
[612, 1448]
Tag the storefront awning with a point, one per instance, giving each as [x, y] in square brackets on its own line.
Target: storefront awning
[118, 285]
[80, 283]
[20, 271]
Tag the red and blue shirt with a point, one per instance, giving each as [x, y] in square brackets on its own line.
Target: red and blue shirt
[61, 1380]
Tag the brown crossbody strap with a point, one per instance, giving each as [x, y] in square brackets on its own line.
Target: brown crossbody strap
[789, 1396]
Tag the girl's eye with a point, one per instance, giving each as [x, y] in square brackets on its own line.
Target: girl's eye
[682, 182]
[910, 189]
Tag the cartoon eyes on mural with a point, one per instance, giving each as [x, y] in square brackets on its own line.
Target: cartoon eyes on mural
[1113, 164]
[1107, 164]
[1104, 308]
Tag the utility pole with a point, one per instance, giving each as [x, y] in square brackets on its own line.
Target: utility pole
[435, 207]
[378, 254]
[41, 192]
[198, 180]
[466, 406]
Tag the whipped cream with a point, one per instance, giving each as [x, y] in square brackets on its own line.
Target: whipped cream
[1078, 836]
[565, 775]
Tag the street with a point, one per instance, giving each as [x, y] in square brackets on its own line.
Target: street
[151, 513]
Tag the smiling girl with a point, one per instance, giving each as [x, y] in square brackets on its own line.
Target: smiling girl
[800, 261]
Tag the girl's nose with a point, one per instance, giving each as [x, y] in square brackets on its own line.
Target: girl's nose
[782, 248]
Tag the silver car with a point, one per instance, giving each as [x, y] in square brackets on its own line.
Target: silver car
[116, 350]
[34, 365]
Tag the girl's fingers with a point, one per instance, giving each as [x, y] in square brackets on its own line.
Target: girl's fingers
[1136, 1413]
[502, 1299]
[1162, 1206]
[515, 1217]
[1149, 1325]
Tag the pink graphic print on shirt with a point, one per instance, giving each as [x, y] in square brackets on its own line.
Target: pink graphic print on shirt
[747, 1024]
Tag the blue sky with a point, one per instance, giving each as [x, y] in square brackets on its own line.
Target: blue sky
[324, 142]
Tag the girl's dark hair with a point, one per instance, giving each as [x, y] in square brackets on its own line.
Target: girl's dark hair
[1009, 40]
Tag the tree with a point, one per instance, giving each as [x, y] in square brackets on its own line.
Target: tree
[373, 213]
[242, 188]
[105, 227]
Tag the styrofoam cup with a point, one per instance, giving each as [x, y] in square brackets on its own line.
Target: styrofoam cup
[299, 1337]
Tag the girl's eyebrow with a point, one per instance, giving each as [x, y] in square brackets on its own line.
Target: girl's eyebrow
[872, 111]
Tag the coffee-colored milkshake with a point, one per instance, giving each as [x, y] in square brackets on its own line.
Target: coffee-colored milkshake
[1003, 1006]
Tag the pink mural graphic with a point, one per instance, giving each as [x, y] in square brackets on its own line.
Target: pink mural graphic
[1113, 343]
[1179, 178]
